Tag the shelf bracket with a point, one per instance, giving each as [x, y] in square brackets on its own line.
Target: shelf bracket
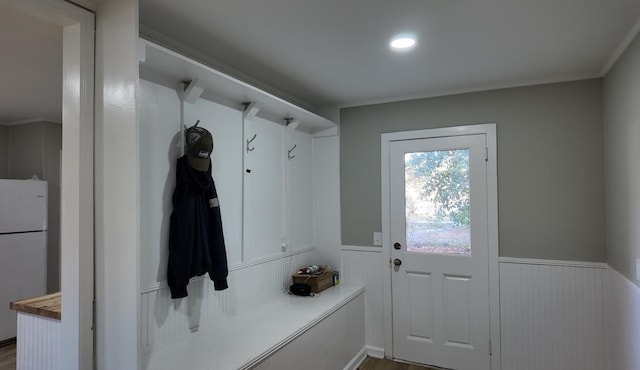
[250, 110]
[192, 91]
[291, 123]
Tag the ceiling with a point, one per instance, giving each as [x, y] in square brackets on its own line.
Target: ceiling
[334, 53]
[30, 68]
[331, 53]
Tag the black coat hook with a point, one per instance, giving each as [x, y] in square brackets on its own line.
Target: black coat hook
[249, 149]
[289, 156]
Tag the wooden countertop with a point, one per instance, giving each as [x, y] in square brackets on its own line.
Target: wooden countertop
[47, 306]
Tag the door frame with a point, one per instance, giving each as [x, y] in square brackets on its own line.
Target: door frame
[489, 130]
[77, 175]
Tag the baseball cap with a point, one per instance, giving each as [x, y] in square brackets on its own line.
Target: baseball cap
[199, 147]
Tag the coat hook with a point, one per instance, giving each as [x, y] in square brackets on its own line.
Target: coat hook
[249, 142]
[289, 156]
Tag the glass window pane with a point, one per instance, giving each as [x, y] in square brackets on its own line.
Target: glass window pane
[437, 202]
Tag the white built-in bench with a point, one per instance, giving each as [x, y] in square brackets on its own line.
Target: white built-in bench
[321, 332]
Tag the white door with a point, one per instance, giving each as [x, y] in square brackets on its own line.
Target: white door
[440, 266]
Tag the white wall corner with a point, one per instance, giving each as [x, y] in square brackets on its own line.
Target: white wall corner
[624, 44]
[375, 352]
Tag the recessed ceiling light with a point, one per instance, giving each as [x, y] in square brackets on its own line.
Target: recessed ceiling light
[403, 42]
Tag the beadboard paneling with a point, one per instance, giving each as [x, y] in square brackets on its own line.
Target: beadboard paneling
[623, 322]
[334, 343]
[38, 343]
[165, 320]
[552, 316]
[363, 266]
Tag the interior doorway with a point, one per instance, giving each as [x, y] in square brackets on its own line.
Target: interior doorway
[30, 142]
[76, 175]
[440, 242]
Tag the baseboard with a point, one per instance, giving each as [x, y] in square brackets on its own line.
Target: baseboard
[357, 359]
[375, 352]
[6, 342]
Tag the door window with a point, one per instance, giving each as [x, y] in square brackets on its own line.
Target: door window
[437, 202]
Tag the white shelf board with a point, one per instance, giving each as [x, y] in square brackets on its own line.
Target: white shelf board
[169, 68]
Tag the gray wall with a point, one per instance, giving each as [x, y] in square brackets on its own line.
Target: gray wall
[622, 161]
[34, 149]
[4, 151]
[26, 143]
[550, 164]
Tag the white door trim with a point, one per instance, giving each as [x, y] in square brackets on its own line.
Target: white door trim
[489, 130]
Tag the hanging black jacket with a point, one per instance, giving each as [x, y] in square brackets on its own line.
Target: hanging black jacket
[196, 241]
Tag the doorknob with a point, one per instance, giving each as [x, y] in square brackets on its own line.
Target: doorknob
[397, 245]
[397, 262]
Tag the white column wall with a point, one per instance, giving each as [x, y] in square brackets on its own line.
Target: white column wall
[116, 198]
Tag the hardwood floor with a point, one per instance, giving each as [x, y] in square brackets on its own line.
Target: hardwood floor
[384, 364]
[8, 362]
[8, 357]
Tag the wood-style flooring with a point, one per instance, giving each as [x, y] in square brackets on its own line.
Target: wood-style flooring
[8, 357]
[8, 362]
[384, 364]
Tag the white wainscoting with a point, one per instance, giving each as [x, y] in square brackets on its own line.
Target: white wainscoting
[363, 266]
[623, 322]
[337, 342]
[164, 321]
[38, 343]
[552, 314]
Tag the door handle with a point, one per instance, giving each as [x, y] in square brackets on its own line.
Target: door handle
[397, 262]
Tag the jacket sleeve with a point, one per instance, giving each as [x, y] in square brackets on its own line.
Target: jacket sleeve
[180, 244]
[219, 269]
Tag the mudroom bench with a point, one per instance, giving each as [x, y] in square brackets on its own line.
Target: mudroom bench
[321, 332]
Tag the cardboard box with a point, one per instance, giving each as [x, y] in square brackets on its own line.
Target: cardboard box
[317, 283]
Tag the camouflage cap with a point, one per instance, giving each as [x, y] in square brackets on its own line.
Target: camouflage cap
[199, 147]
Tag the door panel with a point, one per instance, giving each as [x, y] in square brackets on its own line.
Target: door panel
[457, 303]
[420, 291]
[440, 286]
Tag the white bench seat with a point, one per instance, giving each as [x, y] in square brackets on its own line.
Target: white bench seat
[243, 340]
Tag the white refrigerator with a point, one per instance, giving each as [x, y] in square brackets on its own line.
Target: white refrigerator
[23, 246]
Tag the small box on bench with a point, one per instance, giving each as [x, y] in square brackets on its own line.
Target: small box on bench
[317, 283]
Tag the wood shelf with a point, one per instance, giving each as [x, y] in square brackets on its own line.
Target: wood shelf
[46, 306]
